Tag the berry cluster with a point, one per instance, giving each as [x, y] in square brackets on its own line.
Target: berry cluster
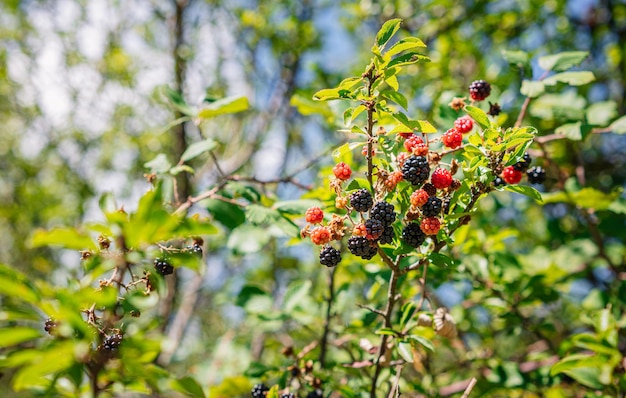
[163, 266]
[513, 174]
[50, 326]
[112, 342]
[259, 391]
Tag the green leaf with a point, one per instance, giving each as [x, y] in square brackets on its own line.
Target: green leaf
[407, 59]
[69, 238]
[407, 311]
[257, 369]
[562, 61]
[159, 164]
[407, 43]
[619, 126]
[574, 131]
[386, 32]
[518, 59]
[572, 78]
[248, 239]
[295, 206]
[583, 368]
[16, 285]
[258, 214]
[197, 149]
[406, 352]
[247, 293]
[442, 260]
[525, 190]
[16, 335]
[177, 100]
[176, 170]
[601, 113]
[307, 106]
[224, 106]
[188, 386]
[478, 115]
[532, 89]
[296, 293]
[388, 332]
[52, 360]
[395, 97]
[423, 341]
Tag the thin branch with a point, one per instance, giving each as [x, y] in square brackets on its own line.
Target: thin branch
[329, 304]
[371, 309]
[469, 388]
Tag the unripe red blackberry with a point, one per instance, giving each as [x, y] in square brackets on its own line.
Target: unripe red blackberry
[361, 247]
[536, 175]
[411, 142]
[430, 225]
[479, 90]
[419, 198]
[416, 169]
[511, 176]
[523, 164]
[329, 256]
[374, 228]
[441, 178]
[452, 138]
[314, 215]
[361, 200]
[163, 266]
[320, 236]
[259, 391]
[432, 208]
[342, 171]
[464, 124]
[383, 212]
[412, 235]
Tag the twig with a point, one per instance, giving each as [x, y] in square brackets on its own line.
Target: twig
[329, 303]
[469, 388]
[371, 309]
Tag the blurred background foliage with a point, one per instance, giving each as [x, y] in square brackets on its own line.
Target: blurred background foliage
[84, 106]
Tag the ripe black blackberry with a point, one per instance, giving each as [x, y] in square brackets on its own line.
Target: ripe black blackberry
[498, 182]
[315, 394]
[494, 109]
[361, 247]
[112, 342]
[259, 390]
[329, 256]
[361, 200]
[387, 236]
[479, 90]
[374, 228]
[50, 325]
[195, 249]
[536, 175]
[383, 212]
[412, 235]
[430, 189]
[432, 208]
[523, 164]
[163, 266]
[416, 169]
[290, 395]
[445, 206]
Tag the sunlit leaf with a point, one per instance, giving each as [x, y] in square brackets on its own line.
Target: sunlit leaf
[224, 106]
[197, 149]
[562, 61]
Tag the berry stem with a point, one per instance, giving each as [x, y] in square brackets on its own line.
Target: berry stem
[524, 108]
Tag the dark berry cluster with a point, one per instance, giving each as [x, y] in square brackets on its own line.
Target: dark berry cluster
[513, 174]
[361, 200]
[329, 256]
[383, 212]
[374, 228]
[195, 249]
[432, 208]
[315, 394]
[112, 342]
[387, 236]
[416, 169]
[412, 235]
[163, 266]
[259, 390]
[289, 395]
[360, 246]
[50, 325]
[536, 175]
[479, 90]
